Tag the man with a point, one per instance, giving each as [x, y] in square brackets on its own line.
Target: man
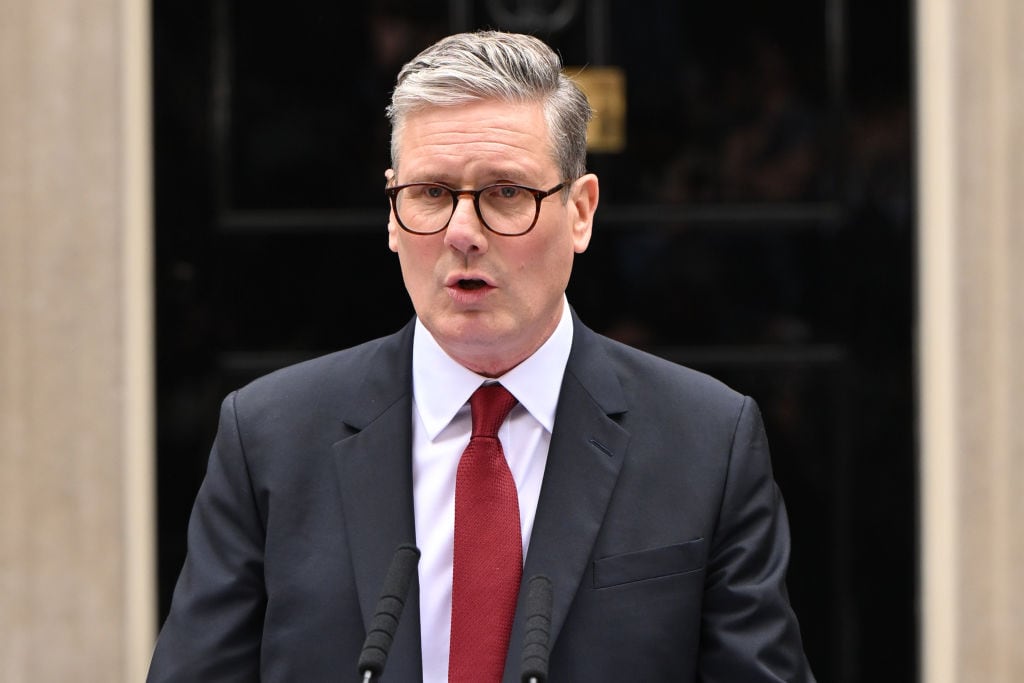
[643, 490]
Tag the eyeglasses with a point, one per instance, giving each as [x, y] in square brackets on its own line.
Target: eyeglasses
[505, 209]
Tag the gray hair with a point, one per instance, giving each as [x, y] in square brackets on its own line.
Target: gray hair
[491, 65]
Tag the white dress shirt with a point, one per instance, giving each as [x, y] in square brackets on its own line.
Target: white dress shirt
[441, 427]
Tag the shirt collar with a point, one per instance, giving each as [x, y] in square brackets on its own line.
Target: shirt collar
[535, 382]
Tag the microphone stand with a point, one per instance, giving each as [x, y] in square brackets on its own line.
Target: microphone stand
[389, 611]
[536, 641]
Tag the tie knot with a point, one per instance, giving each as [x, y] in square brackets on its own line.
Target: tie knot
[490, 405]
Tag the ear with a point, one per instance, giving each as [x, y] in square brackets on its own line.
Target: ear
[392, 233]
[389, 175]
[583, 198]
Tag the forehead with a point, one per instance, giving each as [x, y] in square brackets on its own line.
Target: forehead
[476, 139]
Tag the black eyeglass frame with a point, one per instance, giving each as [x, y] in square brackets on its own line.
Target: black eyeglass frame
[538, 195]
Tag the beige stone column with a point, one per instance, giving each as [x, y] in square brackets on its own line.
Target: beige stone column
[971, 330]
[76, 455]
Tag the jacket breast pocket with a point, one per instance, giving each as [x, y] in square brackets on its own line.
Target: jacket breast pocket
[651, 563]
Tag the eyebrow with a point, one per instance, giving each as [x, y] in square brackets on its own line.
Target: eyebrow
[510, 175]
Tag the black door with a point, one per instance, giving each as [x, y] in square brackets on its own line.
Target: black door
[755, 223]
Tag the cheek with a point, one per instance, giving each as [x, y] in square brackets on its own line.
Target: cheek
[548, 268]
[410, 268]
[418, 259]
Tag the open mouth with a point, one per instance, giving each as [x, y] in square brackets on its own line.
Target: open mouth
[471, 284]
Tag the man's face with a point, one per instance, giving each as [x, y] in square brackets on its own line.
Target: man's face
[489, 328]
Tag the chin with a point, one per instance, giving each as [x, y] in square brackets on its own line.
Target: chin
[480, 337]
[474, 337]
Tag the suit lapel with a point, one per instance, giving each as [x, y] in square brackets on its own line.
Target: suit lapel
[375, 475]
[586, 454]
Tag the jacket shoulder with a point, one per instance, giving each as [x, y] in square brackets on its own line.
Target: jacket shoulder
[644, 374]
[370, 371]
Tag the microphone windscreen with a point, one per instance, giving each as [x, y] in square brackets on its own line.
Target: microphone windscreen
[536, 641]
[389, 609]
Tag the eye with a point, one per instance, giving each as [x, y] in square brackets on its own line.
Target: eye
[434, 191]
[506, 192]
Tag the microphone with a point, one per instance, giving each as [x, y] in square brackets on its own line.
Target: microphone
[389, 610]
[536, 643]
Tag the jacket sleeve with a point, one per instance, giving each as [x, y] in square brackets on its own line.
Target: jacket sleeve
[213, 630]
[748, 629]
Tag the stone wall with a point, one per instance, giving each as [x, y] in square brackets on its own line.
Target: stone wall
[76, 456]
[971, 338]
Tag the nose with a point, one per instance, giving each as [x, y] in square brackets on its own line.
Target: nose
[465, 232]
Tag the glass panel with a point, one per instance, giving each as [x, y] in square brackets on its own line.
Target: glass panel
[727, 101]
[713, 284]
[305, 96]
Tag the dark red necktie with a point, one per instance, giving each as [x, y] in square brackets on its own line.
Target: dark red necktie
[488, 563]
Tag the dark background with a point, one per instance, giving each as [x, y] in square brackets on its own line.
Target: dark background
[757, 225]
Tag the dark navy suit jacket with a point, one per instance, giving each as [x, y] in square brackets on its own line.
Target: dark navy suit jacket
[659, 525]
